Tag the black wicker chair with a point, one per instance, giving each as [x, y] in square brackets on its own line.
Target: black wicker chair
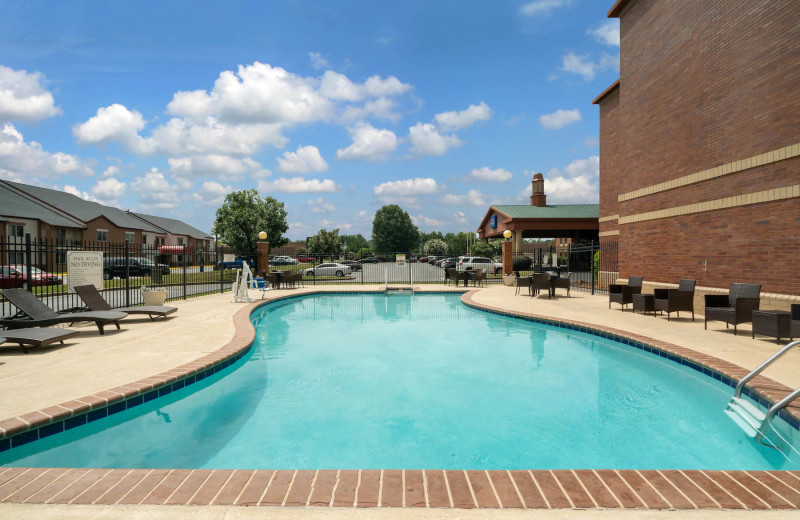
[735, 307]
[795, 320]
[563, 282]
[521, 281]
[541, 281]
[676, 300]
[623, 294]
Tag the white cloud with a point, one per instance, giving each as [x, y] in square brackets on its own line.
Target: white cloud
[591, 141]
[298, 185]
[317, 61]
[460, 217]
[576, 183]
[109, 189]
[585, 67]
[321, 206]
[20, 160]
[328, 224]
[221, 166]
[406, 187]
[608, 33]
[560, 118]
[426, 221]
[486, 174]
[111, 171]
[542, 7]
[450, 121]
[114, 123]
[381, 108]
[306, 159]
[471, 198]
[369, 143]
[184, 137]
[72, 190]
[211, 193]
[426, 140]
[22, 96]
[155, 191]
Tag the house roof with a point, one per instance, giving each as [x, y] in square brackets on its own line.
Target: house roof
[83, 209]
[13, 204]
[617, 8]
[606, 92]
[551, 211]
[174, 226]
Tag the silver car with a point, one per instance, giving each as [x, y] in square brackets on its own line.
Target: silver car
[330, 269]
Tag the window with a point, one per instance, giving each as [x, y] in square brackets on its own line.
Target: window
[102, 235]
[16, 253]
[144, 239]
[161, 241]
[130, 237]
[180, 241]
[16, 231]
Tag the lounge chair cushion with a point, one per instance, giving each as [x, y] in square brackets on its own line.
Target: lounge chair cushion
[37, 337]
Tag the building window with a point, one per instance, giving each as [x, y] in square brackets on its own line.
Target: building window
[102, 235]
[180, 241]
[144, 239]
[16, 254]
[130, 237]
[161, 241]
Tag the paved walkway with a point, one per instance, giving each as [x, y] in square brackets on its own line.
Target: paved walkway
[92, 363]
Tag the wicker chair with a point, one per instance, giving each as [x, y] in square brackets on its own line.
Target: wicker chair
[480, 277]
[522, 281]
[795, 320]
[450, 275]
[541, 281]
[676, 300]
[563, 282]
[735, 307]
[623, 294]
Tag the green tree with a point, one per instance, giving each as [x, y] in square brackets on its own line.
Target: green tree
[434, 246]
[482, 249]
[355, 242]
[364, 252]
[325, 243]
[244, 214]
[424, 237]
[393, 230]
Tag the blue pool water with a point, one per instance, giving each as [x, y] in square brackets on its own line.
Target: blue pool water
[399, 381]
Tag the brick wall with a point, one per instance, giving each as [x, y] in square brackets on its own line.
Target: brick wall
[704, 84]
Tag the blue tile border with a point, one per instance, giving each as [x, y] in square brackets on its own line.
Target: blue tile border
[790, 419]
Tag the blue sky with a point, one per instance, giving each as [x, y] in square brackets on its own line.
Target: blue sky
[334, 108]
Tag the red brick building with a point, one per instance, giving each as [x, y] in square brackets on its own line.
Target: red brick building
[700, 143]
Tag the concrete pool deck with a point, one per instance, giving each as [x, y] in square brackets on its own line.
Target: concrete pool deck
[52, 377]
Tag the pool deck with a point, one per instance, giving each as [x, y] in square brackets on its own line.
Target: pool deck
[50, 385]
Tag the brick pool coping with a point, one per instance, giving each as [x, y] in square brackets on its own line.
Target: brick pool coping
[545, 489]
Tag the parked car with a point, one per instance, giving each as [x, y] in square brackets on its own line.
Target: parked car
[433, 259]
[283, 260]
[305, 259]
[355, 265]
[448, 263]
[369, 260]
[423, 259]
[329, 269]
[137, 266]
[15, 276]
[236, 263]
[471, 263]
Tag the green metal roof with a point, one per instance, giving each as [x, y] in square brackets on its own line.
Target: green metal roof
[551, 211]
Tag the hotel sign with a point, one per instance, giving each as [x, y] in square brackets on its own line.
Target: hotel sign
[493, 222]
[84, 268]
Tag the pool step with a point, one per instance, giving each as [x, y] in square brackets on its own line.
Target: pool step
[746, 415]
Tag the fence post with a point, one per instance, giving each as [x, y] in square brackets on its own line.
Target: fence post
[184, 271]
[591, 259]
[28, 274]
[127, 275]
[221, 271]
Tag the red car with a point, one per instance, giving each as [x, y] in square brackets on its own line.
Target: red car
[13, 276]
[305, 259]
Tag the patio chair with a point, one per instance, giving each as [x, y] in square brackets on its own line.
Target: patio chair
[735, 307]
[273, 280]
[522, 281]
[676, 300]
[36, 337]
[450, 275]
[541, 281]
[31, 312]
[563, 282]
[480, 276]
[95, 302]
[623, 294]
[795, 326]
[292, 278]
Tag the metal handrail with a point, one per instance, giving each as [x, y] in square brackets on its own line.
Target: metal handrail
[773, 411]
[765, 364]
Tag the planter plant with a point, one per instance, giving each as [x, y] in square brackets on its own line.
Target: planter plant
[153, 295]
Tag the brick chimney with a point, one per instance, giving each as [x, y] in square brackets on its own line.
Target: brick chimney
[538, 198]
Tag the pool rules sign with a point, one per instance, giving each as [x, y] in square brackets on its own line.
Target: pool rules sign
[84, 268]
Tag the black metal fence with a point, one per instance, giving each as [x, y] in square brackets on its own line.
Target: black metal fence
[593, 266]
[380, 268]
[41, 267]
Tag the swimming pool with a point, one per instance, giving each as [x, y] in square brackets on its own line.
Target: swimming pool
[377, 381]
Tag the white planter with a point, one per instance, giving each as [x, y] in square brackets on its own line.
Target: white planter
[509, 279]
[154, 297]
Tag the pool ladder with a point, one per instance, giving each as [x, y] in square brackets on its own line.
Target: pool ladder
[747, 416]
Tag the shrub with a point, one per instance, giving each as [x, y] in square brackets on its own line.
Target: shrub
[522, 263]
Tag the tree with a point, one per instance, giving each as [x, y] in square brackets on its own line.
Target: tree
[435, 247]
[424, 237]
[393, 230]
[482, 249]
[325, 243]
[244, 214]
[355, 242]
